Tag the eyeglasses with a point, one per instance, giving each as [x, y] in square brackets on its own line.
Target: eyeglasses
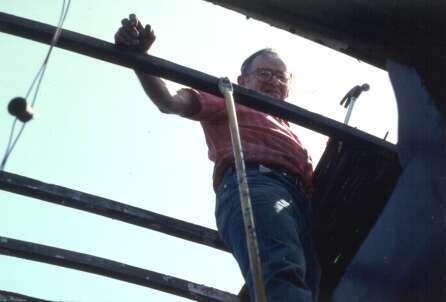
[266, 74]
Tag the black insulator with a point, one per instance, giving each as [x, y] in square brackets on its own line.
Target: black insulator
[365, 87]
[20, 109]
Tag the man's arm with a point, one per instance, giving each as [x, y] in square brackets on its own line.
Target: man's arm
[133, 36]
[182, 103]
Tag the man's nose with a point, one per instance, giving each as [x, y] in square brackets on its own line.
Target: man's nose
[275, 79]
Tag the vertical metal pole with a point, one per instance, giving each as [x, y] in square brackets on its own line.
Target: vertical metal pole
[350, 98]
[225, 87]
[349, 110]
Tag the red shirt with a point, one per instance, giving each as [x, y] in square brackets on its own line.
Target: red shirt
[265, 139]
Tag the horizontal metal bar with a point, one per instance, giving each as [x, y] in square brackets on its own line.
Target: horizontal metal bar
[113, 269]
[106, 51]
[6, 296]
[111, 209]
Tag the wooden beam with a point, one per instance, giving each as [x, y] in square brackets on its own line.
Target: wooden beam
[106, 51]
[6, 296]
[113, 269]
[109, 208]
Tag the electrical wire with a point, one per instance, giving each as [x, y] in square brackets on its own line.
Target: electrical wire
[37, 79]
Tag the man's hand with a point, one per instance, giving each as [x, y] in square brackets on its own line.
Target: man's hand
[133, 36]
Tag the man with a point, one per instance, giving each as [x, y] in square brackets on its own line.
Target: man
[278, 170]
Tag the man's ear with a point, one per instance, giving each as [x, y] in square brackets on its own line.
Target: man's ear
[241, 80]
[288, 86]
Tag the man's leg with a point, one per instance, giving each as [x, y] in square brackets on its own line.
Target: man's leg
[281, 214]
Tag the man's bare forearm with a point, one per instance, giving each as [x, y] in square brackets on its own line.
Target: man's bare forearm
[183, 103]
[157, 91]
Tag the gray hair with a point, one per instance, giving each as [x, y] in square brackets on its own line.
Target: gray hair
[247, 63]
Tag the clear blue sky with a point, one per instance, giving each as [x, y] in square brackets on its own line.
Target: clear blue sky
[95, 131]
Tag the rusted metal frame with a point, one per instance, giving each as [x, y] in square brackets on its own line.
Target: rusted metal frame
[106, 51]
[113, 269]
[6, 296]
[112, 209]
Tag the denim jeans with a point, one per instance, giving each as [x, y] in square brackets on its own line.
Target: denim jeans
[282, 219]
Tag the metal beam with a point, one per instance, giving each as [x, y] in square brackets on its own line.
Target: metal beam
[106, 51]
[113, 269]
[109, 208]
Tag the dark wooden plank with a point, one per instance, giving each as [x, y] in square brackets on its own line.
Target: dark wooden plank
[106, 51]
[352, 187]
[111, 209]
[113, 269]
[6, 296]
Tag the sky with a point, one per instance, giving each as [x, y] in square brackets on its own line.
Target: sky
[95, 131]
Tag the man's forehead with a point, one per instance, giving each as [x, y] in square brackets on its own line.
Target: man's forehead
[269, 60]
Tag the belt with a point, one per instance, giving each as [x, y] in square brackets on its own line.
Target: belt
[294, 178]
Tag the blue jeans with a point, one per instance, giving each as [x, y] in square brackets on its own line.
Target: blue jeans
[282, 219]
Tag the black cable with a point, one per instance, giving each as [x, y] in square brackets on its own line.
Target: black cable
[38, 78]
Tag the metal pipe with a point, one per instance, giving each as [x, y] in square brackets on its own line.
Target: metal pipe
[225, 87]
[349, 110]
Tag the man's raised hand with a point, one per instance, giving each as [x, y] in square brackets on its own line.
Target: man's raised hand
[133, 35]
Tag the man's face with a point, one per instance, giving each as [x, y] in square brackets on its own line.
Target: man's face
[267, 74]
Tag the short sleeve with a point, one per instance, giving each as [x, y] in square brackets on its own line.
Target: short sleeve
[210, 105]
